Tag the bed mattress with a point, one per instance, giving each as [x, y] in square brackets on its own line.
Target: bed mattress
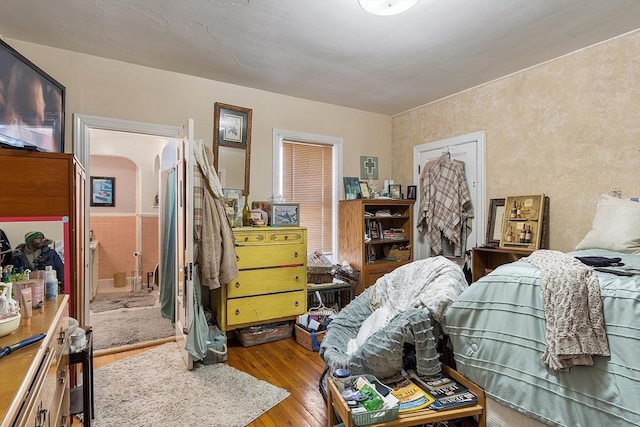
[497, 330]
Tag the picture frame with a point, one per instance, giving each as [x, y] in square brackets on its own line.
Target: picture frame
[364, 190]
[494, 222]
[524, 222]
[395, 191]
[103, 191]
[285, 214]
[351, 188]
[412, 192]
[232, 125]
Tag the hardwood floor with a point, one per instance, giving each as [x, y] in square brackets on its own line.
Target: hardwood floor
[283, 363]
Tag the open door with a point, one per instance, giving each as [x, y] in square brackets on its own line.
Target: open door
[176, 236]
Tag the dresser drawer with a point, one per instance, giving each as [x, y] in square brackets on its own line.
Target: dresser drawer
[265, 307]
[266, 256]
[267, 281]
[268, 236]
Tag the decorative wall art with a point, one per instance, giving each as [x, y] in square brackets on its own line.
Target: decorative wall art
[523, 222]
[494, 224]
[232, 125]
[351, 188]
[368, 167]
[103, 191]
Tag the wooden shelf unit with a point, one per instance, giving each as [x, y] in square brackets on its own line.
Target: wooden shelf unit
[485, 260]
[352, 229]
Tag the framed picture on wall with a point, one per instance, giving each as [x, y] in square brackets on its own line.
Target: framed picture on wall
[103, 191]
[232, 125]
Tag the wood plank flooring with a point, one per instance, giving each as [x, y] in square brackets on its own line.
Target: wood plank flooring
[283, 363]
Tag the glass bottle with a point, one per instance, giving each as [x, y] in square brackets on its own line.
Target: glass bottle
[246, 212]
[527, 236]
[513, 214]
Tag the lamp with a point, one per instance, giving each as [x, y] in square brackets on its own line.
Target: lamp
[386, 7]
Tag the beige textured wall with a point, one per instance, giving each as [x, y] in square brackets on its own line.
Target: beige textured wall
[102, 87]
[569, 128]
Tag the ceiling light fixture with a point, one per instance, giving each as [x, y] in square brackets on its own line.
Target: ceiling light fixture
[387, 7]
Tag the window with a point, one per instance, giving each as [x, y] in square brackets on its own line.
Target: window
[306, 172]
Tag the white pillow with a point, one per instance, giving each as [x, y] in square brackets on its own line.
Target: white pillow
[616, 226]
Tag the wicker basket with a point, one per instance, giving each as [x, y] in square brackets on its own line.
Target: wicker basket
[399, 254]
[319, 274]
[303, 337]
[374, 417]
[254, 335]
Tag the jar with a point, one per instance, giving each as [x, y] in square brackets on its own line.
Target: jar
[341, 378]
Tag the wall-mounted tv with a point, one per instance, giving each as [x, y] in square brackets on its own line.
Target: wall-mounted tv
[31, 104]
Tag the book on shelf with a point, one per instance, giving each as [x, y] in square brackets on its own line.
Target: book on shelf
[410, 396]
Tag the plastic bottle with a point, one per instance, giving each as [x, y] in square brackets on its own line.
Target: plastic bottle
[50, 283]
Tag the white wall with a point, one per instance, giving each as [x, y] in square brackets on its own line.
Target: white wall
[102, 87]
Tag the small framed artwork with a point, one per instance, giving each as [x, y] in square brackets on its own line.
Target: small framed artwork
[523, 222]
[232, 125]
[103, 191]
[285, 215]
[494, 224]
[364, 190]
[412, 191]
[395, 190]
[351, 188]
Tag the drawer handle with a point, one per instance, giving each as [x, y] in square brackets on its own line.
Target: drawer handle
[237, 258]
[246, 238]
[297, 278]
[296, 304]
[286, 237]
[237, 285]
[237, 312]
[295, 254]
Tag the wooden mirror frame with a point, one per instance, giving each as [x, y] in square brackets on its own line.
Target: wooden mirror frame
[224, 116]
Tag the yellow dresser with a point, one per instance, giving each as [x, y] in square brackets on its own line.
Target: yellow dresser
[272, 284]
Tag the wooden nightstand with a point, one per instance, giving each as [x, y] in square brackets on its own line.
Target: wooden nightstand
[485, 260]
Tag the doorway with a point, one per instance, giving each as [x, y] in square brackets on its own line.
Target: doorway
[91, 132]
[468, 149]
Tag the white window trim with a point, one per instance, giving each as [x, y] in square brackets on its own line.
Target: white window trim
[336, 143]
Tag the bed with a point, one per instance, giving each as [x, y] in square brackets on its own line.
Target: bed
[497, 333]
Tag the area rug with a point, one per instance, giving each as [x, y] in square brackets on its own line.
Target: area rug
[114, 300]
[154, 388]
[115, 328]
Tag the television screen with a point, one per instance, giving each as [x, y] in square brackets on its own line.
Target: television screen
[31, 104]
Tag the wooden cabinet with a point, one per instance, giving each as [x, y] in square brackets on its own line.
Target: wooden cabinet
[47, 185]
[374, 217]
[272, 284]
[485, 260]
[35, 379]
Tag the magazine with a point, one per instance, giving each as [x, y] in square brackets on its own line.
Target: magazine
[441, 387]
[409, 395]
[462, 399]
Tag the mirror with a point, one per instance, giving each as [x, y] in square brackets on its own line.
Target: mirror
[232, 145]
[55, 229]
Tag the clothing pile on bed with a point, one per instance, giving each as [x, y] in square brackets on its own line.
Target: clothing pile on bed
[368, 335]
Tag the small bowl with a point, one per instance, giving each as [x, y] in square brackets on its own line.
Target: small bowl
[9, 325]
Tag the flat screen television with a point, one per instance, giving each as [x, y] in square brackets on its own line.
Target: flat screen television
[31, 104]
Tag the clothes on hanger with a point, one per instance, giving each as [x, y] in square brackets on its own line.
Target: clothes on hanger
[445, 210]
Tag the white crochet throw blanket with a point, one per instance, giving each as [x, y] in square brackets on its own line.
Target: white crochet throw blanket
[573, 310]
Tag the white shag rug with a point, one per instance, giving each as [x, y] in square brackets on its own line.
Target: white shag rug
[116, 328]
[154, 388]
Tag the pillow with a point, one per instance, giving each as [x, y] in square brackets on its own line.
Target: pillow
[616, 226]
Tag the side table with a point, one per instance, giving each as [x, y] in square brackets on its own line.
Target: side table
[336, 403]
[336, 288]
[82, 396]
[484, 260]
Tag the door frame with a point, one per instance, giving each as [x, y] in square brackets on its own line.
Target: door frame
[476, 185]
[83, 124]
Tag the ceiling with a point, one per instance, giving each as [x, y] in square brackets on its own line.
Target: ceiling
[326, 50]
